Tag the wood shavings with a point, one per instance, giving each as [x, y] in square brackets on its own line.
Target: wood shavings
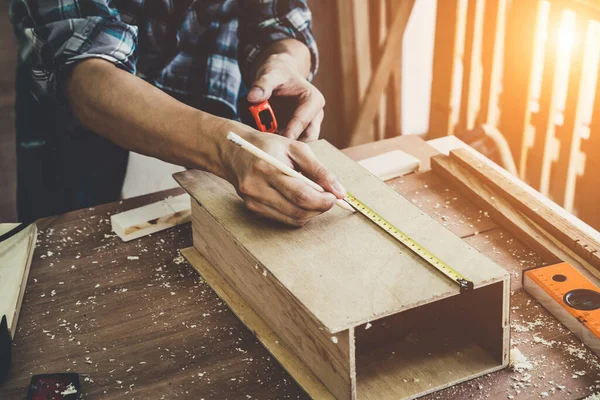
[69, 390]
[518, 362]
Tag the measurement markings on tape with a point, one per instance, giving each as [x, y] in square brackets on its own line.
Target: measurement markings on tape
[406, 240]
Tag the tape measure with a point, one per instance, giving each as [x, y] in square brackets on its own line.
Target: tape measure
[571, 297]
[462, 282]
[264, 110]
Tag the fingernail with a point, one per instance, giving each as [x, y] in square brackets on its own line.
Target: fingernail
[256, 93]
[339, 188]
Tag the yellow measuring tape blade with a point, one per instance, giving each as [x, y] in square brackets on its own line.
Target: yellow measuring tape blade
[416, 248]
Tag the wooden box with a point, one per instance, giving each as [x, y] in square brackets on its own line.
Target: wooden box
[347, 310]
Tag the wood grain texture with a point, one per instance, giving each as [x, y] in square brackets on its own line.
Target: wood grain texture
[450, 23]
[523, 228]
[311, 342]
[151, 218]
[284, 354]
[369, 104]
[567, 228]
[395, 280]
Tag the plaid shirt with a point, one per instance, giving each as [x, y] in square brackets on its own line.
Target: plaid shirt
[195, 50]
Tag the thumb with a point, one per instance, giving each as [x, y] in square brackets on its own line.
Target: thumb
[307, 163]
[263, 86]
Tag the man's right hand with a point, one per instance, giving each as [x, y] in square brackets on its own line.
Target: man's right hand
[269, 192]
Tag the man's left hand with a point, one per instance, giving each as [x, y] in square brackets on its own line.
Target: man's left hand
[279, 76]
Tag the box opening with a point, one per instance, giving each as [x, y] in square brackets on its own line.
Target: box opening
[432, 346]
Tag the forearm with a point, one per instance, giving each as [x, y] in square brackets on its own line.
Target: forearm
[295, 52]
[137, 116]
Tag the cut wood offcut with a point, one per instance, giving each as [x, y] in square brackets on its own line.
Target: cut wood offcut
[391, 165]
[343, 307]
[152, 218]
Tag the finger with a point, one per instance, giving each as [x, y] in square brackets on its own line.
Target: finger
[273, 198]
[263, 86]
[308, 108]
[313, 130]
[301, 195]
[271, 213]
[308, 164]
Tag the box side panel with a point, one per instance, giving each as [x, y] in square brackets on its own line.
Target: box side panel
[286, 357]
[327, 356]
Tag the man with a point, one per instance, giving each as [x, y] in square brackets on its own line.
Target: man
[162, 77]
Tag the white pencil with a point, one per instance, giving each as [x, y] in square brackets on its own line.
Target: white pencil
[244, 144]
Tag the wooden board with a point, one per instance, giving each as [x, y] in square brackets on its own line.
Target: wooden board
[524, 229]
[567, 228]
[391, 164]
[339, 244]
[15, 260]
[330, 357]
[151, 218]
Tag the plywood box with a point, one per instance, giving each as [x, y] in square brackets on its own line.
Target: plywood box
[347, 310]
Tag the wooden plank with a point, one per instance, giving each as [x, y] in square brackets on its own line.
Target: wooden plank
[294, 325]
[391, 165]
[415, 144]
[515, 102]
[393, 126]
[370, 102]
[450, 23]
[286, 356]
[565, 163]
[541, 145]
[152, 218]
[349, 70]
[494, 30]
[523, 228]
[472, 68]
[378, 30]
[388, 286]
[588, 179]
[16, 254]
[560, 224]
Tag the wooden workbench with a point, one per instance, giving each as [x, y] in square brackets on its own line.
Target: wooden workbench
[139, 322]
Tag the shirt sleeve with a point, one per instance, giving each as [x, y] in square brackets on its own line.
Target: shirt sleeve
[55, 34]
[263, 22]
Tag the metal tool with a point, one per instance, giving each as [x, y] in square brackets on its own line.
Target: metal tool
[463, 283]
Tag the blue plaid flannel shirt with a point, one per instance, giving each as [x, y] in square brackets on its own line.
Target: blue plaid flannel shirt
[192, 49]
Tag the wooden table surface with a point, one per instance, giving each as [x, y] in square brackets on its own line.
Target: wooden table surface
[139, 323]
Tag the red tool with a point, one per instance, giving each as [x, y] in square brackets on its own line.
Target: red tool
[264, 117]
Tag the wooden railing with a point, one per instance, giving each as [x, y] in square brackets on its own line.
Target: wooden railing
[529, 68]
[525, 68]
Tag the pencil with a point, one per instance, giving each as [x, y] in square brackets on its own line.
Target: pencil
[249, 147]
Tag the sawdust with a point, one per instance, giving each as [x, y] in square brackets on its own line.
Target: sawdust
[518, 362]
